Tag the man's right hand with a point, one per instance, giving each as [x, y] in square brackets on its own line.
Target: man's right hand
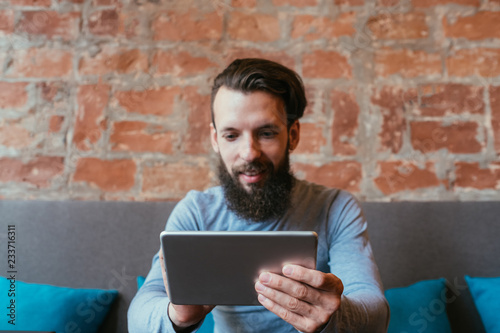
[183, 316]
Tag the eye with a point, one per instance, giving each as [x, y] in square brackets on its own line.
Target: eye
[267, 134]
[230, 136]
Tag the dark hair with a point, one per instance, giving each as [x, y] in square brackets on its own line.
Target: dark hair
[251, 74]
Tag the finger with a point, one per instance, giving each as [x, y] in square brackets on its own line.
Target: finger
[288, 302]
[300, 323]
[289, 287]
[314, 278]
[163, 271]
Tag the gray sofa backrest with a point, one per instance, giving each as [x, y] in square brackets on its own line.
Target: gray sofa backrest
[108, 244]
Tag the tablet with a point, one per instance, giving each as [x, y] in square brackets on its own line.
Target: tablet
[221, 267]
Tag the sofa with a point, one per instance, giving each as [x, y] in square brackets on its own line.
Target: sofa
[107, 245]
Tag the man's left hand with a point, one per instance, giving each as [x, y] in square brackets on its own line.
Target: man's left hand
[305, 298]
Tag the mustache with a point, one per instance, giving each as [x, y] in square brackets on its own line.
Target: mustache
[252, 167]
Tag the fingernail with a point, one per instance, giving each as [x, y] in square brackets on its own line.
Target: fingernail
[287, 270]
[259, 286]
[265, 277]
[261, 298]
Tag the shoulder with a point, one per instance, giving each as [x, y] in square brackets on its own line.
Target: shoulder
[332, 204]
[325, 196]
[192, 212]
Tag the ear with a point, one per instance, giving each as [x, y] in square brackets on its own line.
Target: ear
[213, 138]
[294, 135]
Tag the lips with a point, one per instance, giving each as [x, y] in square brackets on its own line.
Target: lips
[252, 173]
[252, 178]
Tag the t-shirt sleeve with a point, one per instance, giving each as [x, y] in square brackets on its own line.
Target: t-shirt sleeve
[148, 310]
[363, 305]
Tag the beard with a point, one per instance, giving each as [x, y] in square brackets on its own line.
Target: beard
[263, 202]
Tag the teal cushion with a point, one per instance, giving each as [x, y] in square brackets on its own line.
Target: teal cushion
[41, 307]
[140, 281]
[420, 307]
[485, 292]
[208, 324]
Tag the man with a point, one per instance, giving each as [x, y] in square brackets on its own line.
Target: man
[256, 106]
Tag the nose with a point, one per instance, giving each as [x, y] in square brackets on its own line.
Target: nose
[250, 150]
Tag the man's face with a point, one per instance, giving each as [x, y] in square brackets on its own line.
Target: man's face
[251, 135]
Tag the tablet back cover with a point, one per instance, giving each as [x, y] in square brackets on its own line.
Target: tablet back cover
[221, 268]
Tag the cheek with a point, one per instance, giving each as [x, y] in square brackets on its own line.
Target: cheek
[228, 158]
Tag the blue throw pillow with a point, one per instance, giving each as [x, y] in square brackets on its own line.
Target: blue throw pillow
[208, 324]
[41, 307]
[420, 307]
[140, 281]
[485, 292]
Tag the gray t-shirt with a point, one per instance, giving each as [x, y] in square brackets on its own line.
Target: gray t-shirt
[343, 249]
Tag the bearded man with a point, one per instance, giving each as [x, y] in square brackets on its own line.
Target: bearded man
[256, 106]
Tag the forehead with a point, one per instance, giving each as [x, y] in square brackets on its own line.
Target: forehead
[232, 107]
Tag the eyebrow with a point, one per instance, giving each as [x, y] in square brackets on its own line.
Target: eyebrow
[265, 126]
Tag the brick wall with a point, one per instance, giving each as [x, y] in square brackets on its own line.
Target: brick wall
[109, 99]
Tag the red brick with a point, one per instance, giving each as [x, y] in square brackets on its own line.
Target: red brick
[244, 3]
[159, 102]
[108, 175]
[326, 64]
[343, 174]
[345, 122]
[6, 22]
[175, 179]
[14, 135]
[431, 3]
[452, 98]
[138, 136]
[458, 138]
[393, 101]
[281, 57]
[55, 124]
[191, 26]
[471, 175]
[41, 63]
[181, 63]
[397, 176]
[105, 23]
[51, 24]
[482, 25]
[109, 60]
[399, 26]
[254, 27]
[13, 95]
[477, 61]
[295, 3]
[31, 3]
[407, 63]
[387, 3]
[39, 171]
[50, 91]
[105, 2]
[495, 115]
[311, 139]
[90, 118]
[132, 25]
[312, 28]
[197, 139]
[349, 2]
